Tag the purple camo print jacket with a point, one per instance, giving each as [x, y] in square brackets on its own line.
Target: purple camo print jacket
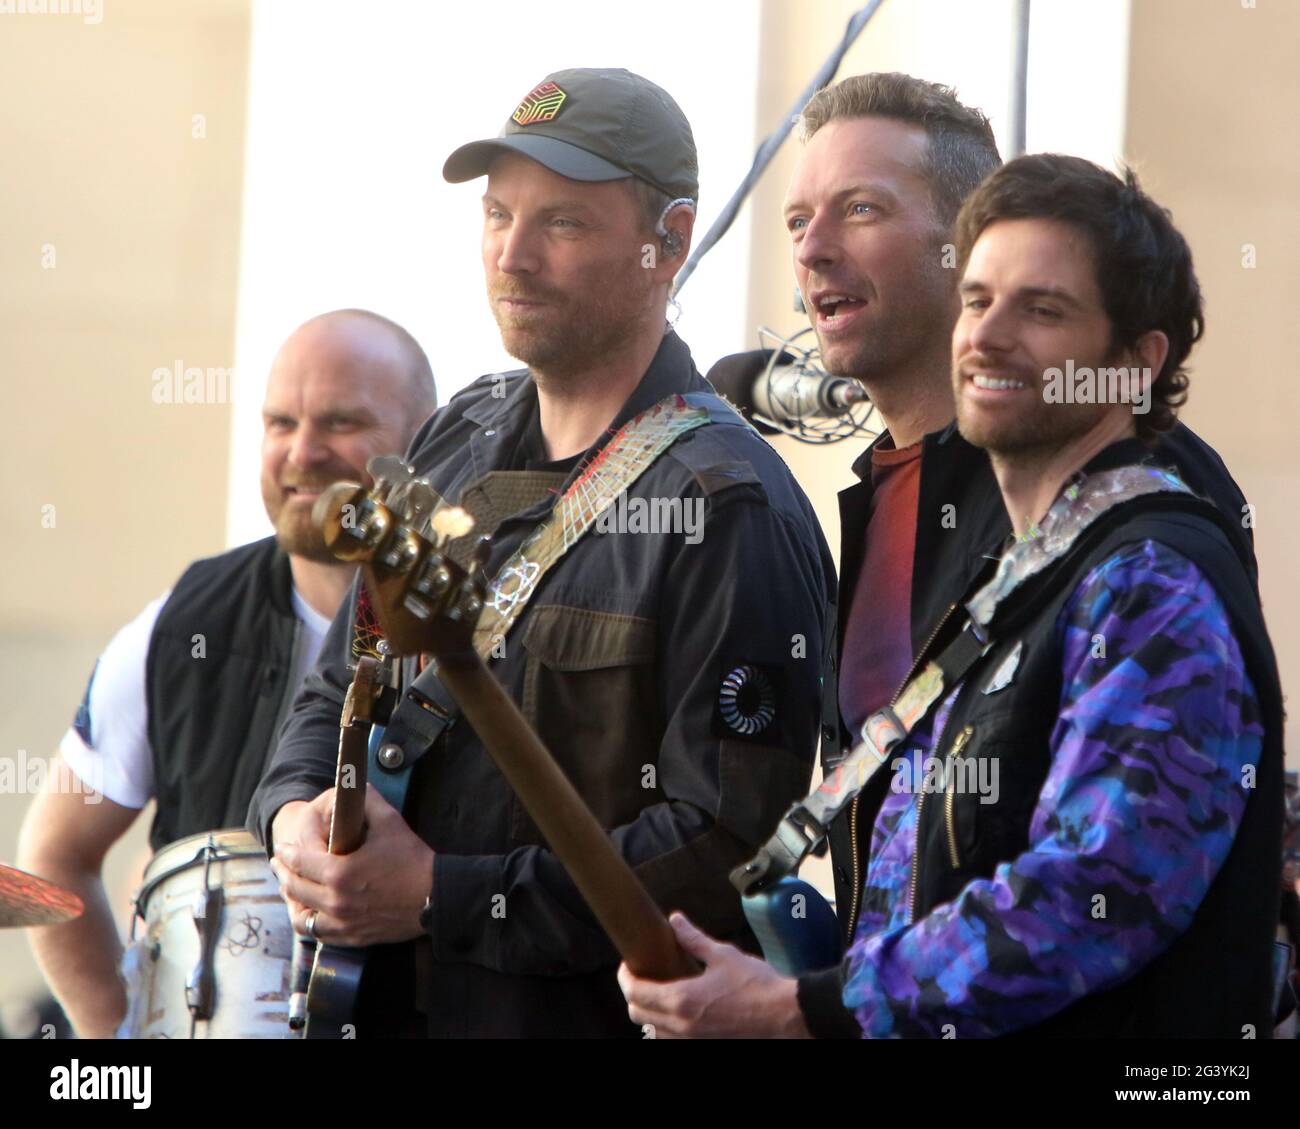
[1171, 846]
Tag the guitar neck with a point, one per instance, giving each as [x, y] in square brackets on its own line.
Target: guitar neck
[348, 823]
[629, 916]
[427, 601]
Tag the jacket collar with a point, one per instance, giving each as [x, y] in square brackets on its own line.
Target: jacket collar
[862, 464]
[1127, 452]
[279, 578]
[504, 420]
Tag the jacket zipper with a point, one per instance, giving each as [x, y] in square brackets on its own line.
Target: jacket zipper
[920, 800]
[857, 884]
[916, 838]
[853, 810]
[950, 794]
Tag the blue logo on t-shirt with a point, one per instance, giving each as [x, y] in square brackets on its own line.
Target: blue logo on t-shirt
[82, 721]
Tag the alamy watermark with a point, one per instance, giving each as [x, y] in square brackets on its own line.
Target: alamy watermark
[964, 776]
[652, 515]
[913, 773]
[91, 11]
[27, 776]
[102, 1083]
[1086, 385]
[192, 385]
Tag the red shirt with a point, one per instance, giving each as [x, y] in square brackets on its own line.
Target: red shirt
[878, 635]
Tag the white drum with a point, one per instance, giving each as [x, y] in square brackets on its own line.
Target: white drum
[213, 962]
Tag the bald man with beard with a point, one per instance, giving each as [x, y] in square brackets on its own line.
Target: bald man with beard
[192, 724]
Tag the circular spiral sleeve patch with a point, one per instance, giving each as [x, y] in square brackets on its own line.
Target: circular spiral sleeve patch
[746, 700]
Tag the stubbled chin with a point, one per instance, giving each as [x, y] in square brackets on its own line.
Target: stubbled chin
[309, 545]
[290, 525]
[836, 354]
[976, 427]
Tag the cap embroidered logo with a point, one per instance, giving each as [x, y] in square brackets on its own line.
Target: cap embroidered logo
[540, 104]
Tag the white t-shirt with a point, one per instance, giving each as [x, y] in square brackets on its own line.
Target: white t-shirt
[108, 744]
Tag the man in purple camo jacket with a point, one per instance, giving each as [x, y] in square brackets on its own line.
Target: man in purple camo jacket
[1086, 833]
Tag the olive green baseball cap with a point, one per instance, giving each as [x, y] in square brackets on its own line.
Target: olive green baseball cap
[594, 124]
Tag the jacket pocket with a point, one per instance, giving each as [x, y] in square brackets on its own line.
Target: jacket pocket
[590, 693]
[998, 777]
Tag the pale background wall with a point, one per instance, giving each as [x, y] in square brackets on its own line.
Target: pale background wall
[345, 204]
[100, 160]
[961, 44]
[964, 45]
[1211, 129]
[325, 193]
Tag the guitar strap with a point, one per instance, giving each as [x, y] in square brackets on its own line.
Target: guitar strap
[1071, 526]
[425, 710]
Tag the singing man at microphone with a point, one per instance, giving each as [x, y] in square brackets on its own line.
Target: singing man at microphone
[887, 163]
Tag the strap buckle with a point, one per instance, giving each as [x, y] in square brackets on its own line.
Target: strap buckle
[798, 835]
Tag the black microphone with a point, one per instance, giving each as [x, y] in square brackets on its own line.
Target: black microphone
[782, 390]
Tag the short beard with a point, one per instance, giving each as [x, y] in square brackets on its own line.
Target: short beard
[302, 539]
[1042, 433]
[295, 532]
[911, 334]
[581, 338]
[1048, 428]
[875, 359]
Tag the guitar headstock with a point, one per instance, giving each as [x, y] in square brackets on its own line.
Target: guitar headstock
[400, 531]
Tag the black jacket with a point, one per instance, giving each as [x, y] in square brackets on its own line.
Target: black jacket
[961, 523]
[218, 683]
[617, 662]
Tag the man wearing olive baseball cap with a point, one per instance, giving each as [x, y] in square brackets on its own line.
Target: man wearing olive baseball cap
[594, 125]
[651, 671]
[606, 144]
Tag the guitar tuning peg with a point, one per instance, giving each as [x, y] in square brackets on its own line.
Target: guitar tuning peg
[389, 472]
[419, 504]
[390, 467]
[449, 523]
[482, 551]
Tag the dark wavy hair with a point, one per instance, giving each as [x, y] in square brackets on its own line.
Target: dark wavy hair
[1143, 264]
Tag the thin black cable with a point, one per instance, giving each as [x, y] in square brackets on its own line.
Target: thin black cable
[772, 142]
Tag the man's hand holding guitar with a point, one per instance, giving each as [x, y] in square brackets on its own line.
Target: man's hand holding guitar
[373, 895]
[737, 995]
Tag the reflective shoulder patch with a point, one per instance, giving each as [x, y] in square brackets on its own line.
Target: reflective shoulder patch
[747, 700]
[1006, 671]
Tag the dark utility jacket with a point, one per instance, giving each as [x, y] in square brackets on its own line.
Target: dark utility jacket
[618, 662]
[961, 524]
[218, 683]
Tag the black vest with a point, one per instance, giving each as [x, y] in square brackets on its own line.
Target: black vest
[217, 683]
[957, 478]
[1216, 976]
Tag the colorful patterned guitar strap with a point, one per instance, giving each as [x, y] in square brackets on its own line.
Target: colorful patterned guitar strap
[629, 453]
[366, 631]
